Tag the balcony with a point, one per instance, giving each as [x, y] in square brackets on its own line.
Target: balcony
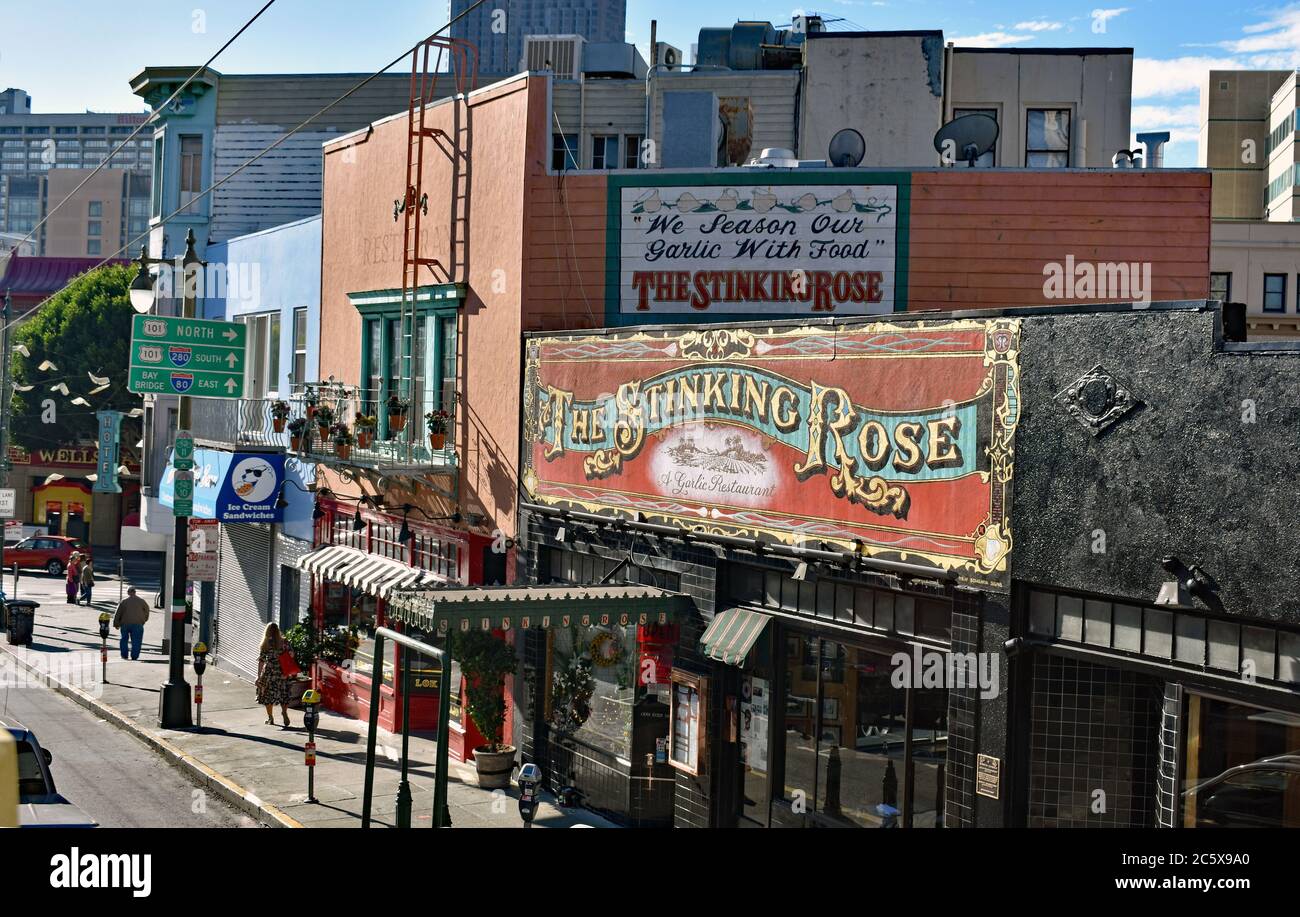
[264, 423]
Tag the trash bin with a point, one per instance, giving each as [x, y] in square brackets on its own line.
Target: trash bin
[22, 618]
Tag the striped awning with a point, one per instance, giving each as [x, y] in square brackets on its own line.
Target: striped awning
[507, 607]
[368, 573]
[732, 634]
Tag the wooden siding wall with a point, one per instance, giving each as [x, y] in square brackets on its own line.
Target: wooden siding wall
[771, 94]
[601, 106]
[983, 238]
[564, 252]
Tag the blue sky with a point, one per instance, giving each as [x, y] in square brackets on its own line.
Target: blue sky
[73, 54]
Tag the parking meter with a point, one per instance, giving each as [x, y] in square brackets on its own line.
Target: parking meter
[200, 666]
[103, 645]
[310, 720]
[530, 778]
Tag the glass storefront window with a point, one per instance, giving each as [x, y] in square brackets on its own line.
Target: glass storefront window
[593, 685]
[1241, 768]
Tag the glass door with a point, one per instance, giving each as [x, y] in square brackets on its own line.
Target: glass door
[756, 686]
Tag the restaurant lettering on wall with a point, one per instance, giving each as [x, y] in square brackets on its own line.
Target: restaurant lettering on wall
[779, 245]
[889, 440]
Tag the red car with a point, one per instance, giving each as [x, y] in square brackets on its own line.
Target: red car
[46, 552]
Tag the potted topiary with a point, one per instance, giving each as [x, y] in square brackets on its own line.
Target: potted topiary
[342, 440]
[297, 433]
[397, 411]
[365, 427]
[324, 420]
[304, 643]
[485, 660]
[437, 421]
[279, 414]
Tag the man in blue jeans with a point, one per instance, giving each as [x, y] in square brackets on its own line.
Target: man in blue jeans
[132, 613]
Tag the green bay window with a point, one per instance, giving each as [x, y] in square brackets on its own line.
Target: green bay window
[421, 349]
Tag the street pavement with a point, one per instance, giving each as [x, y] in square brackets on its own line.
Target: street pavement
[257, 768]
[110, 774]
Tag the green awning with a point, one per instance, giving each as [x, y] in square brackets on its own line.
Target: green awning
[507, 607]
[732, 634]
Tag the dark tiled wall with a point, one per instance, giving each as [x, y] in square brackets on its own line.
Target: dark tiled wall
[1094, 727]
[963, 717]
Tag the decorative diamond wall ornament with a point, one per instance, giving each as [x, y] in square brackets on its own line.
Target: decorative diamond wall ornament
[1097, 400]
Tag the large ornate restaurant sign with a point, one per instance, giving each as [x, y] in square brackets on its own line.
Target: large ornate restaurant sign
[894, 441]
[680, 246]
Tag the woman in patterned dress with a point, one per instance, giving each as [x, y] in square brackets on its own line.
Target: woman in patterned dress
[272, 688]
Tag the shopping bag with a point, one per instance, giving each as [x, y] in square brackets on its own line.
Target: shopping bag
[288, 665]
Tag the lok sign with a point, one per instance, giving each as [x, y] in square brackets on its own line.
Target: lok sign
[187, 356]
[894, 441]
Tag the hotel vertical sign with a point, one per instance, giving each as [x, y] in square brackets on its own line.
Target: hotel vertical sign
[894, 441]
[779, 244]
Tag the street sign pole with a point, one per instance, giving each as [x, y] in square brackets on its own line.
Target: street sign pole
[5, 357]
[174, 696]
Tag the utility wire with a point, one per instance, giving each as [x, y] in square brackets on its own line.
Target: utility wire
[217, 184]
[153, 115]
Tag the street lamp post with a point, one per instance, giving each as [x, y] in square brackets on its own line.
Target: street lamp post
[174, 696]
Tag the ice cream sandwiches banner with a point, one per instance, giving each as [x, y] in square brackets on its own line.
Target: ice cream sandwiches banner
[893, 441]
[232, 486]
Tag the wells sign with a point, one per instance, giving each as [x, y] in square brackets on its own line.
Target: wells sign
[890, 440]
[682, 246]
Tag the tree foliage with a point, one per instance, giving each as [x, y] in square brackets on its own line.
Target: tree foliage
[84, 328]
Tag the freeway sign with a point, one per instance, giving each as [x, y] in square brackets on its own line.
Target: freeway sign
[183, 451]
[187, 356]
[183, 499]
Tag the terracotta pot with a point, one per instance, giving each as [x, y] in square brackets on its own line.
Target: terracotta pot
[295, 443]
[311, 411]
[324, 434]
[343, 450]
[363, 439]
[494, 767]
[278, 423]
[437, 441]
[396, 423]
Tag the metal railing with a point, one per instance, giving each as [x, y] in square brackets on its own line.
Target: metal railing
[319, 421]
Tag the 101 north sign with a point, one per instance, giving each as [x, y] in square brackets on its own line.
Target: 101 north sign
[753, 248]
[187, 356]
[892, 440]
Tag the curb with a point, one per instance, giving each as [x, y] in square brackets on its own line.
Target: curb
[244, 800]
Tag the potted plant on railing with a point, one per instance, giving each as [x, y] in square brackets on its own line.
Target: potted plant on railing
[365, 427]
[485, 661]
[297, 433]
[324, 420]
[279, 414]
[342, 440]
[397, 411]
[310, 398]
[437, 421]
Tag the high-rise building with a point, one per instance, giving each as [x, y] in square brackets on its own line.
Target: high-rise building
[43, 157]
[499, 29]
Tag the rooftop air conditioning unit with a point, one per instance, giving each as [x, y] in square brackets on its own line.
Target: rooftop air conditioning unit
[558, 54]
[667, 57]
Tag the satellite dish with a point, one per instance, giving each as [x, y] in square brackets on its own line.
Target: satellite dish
[847, 148]
[968, 137]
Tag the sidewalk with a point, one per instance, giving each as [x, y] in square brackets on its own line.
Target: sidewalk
[256, 767]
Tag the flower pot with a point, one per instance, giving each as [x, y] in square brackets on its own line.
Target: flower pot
[278, 424]
[343, 450]
[494, 767]
[311, 411]
[437, 441]
[295, 443]
[324, 434]
[396, 423]
[363, 439]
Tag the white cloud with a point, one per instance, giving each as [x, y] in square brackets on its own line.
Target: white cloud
[1038, 25]
[1105, 16]
[1177, 75]
[990, 40]
[1279, 33]
[1166, 117]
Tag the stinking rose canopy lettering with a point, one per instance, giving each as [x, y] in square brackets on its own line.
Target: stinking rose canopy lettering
[895, 441]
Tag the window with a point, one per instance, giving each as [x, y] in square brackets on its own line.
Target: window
[986, 161]
[1221, 286]
[262, 366]
[299, 347]
[632, 151]
[93, 247]
[564, 148]
[1047, 138]
[427, 377]
[604, 152]
[94, 228]
[95, 208]
[191, 167]
[1275, 292]
[1237, 770]
[158, 175]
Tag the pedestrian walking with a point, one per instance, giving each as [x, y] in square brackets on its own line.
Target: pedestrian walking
[87, 578]
[272, 687]
[74, 578]
[131, 616]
